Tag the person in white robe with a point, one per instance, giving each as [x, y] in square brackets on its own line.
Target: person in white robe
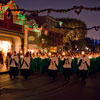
[84, 63]
[67, 67]
[25, 65]
[53, 66]
[14, 71]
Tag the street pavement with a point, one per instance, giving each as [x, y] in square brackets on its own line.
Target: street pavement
[43, 87]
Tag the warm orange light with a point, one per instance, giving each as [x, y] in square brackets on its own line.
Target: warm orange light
[82, 52]
[63, 53]
[49, 53]
[46, 32]
[5, 46]
[30, 29]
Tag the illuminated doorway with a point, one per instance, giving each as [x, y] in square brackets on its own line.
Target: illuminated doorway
[5, 46]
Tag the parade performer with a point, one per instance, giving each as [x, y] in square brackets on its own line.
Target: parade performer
[1, 59]
[46, 62]
[53, 66]
[98, 62]
[8, 57]
[67, 67]
[42, 64]
[38, 62]
[60, 65]
[84, 63]
[75, 65]
[92, 68]
[33, 63]
[25, 65]
[14, 71]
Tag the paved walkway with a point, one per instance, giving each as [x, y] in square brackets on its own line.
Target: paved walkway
[42, 87]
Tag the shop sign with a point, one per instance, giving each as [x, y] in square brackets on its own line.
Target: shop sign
[32, 37]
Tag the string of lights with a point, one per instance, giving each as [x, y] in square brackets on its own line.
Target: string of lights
[94, 27]
[76, 9]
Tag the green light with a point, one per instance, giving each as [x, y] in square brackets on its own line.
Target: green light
[60, 23]
[21, 17]
[30, 26]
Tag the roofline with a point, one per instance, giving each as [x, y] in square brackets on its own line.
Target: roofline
[12, 32]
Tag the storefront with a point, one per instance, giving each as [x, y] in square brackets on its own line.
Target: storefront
[5, 46]
[10, 41]
[11, 28]
[32, 42]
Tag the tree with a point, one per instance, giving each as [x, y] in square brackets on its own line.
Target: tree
[44, 41]
[90, 43]
[71, 35]
[81, 44]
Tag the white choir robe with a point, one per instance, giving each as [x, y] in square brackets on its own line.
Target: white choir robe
[79, 59]
[52, 65]
[13, 67]
[83, 65]
[66, 64]
[13, 62]
[24, 66]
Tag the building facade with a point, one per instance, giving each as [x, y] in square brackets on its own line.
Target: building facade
[11, 33]
[49, 28]
[19, 32]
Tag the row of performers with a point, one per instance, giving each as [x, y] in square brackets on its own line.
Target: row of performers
[82, 65]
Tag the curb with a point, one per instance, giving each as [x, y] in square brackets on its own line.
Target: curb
[3, 72]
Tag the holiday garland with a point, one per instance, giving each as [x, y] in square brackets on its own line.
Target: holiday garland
[76, 9]
[94, 27]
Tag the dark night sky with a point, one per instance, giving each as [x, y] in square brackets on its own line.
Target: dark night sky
[89, 17]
